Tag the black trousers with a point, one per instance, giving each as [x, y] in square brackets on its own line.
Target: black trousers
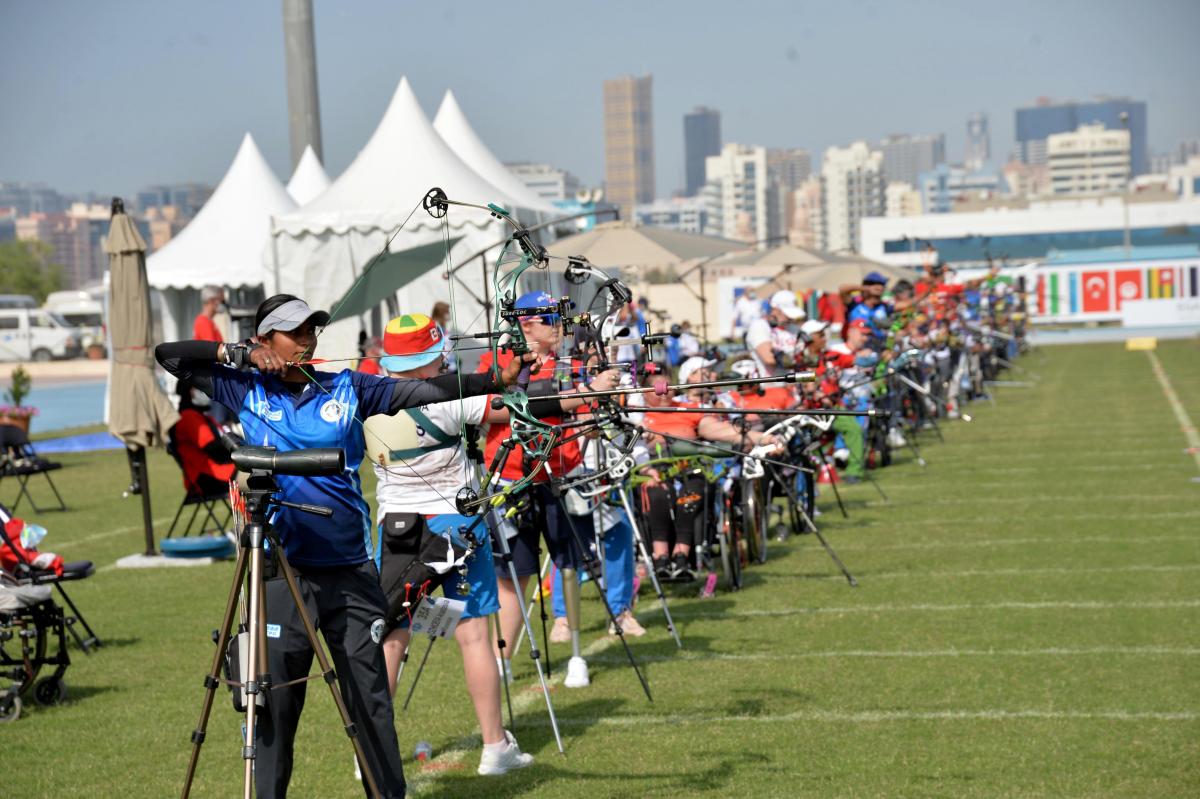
[348, 606]
[674, 512]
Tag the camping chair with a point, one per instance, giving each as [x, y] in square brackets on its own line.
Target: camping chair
[20, 460]
[199, 499]
[27, 574]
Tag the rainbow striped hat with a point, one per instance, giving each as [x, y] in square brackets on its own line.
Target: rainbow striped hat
[411, 341]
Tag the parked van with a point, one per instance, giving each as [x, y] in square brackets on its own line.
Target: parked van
[82, 311]
[31, 334]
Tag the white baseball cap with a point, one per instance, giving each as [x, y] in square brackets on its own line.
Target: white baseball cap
[785, 301]
[689, 367]
[813, 326]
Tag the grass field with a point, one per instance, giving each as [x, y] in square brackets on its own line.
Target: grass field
[1028, 624]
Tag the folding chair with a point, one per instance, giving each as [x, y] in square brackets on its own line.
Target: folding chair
[199, 499]
[20, 460]
[27, 574]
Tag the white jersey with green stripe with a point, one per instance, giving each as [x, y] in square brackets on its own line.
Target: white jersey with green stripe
[417, 470]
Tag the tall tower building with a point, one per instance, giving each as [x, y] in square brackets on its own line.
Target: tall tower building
[628, 142]
[906, 157]
[852, 187]
[701, 138]
[1091, 160]
[1037, 123]
[741, 201]
[979, 142]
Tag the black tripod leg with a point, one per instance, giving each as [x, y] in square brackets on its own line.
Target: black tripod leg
[587, 564]
[833, 484]
[878, 488]
[420, 669]
[813, 526]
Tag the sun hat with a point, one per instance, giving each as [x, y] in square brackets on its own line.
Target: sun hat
[411, 341]
[691, 365]
[289, 316]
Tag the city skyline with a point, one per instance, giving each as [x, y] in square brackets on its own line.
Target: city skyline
[101, 115]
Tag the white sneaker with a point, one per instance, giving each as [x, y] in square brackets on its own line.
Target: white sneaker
[896, 439]
[500, 760]
[577, 673]
[841, 457]
[560, 633]
[504, 669]
[357, 769]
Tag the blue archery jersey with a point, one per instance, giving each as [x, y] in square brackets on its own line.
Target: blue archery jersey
[327, 413]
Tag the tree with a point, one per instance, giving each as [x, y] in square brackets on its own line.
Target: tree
[25, 268]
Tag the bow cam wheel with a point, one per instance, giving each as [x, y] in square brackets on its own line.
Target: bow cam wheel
[435, 202]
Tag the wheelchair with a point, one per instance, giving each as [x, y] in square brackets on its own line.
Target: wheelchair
[33, 637]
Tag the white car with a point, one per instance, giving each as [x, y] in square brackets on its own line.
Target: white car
[31, 334]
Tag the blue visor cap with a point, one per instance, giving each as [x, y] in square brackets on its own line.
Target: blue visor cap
[876, 278]
[537, 299]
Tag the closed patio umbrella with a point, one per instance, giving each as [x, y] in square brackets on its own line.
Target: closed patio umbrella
[140, 414]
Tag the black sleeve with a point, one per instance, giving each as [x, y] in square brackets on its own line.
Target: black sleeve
[541, 408]
[443, 388]
[189, 360]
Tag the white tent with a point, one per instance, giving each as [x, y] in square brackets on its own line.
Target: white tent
[451, 123]
[318, 251]
[309, 179]
[224, 244]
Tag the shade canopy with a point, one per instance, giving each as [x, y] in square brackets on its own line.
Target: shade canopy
[452, 125]
[626, 244]
[309, 179]
[140, 414]
[838, 272]
[224, 244]
[781, 256]
[387, 275]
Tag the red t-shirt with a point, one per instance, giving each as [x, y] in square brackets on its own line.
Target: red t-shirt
[680, 425]
[773, 398]
[205, 329]
[194, 432]
[830, 308]
[369, 366]
[563, 458]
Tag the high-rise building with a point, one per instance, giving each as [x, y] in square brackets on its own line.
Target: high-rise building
[31, 198]
[789, 167]
[701, 138]
[979, 142]
[852, 187]
[550, 183]
[942, 186]
[628, 142]
[1037, 123]
[1187, 148]
[742, 203]
[1161, 163]
[805, 221]
[1091, 160]
[901, 199]
[905, 157]
[685, 214]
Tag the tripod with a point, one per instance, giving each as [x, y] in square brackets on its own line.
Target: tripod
[259, 497]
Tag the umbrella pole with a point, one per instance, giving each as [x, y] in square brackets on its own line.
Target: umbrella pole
[139, 453]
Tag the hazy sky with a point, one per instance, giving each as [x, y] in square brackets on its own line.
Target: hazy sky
[111, 96]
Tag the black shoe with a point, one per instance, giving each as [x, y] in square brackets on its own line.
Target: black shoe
[662, 568]
[682, 569]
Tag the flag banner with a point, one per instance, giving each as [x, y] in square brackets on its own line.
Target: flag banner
[1166, 282]
[1128, 285]
[1074, 284]
[1096, 291]
[1193, 281]
[1041, 295]
[1053, 293]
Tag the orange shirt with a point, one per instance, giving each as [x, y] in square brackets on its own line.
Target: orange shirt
[680, 425]
[563, 458]
[205, 329]
[772, 398]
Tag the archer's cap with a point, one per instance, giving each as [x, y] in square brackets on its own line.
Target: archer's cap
[813, 326]
[411, 341]
[291, 315]
[874, 278]
[785, 301]
[860, 324]
[692, 365]
[537, 299]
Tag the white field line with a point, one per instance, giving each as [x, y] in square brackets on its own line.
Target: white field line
[1185, 422]
[1139, 651]
[880, 716]
[1007, 519]
[1014, 572]
[989, 543]
[111, 533]
[931, 608]
[1057, 499]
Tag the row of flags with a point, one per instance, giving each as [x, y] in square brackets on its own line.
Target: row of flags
[1103, 290]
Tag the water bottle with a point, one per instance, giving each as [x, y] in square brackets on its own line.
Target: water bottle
[32, 535]
[424, 751]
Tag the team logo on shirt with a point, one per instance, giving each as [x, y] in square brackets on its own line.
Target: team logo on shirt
[377, 630]
[332, 411]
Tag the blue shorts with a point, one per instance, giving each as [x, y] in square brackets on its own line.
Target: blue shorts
[481, 577]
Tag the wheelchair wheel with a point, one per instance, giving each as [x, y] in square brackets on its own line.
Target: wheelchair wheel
[754, 521]
[731, 550]
[10, 708]
[50, 691]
